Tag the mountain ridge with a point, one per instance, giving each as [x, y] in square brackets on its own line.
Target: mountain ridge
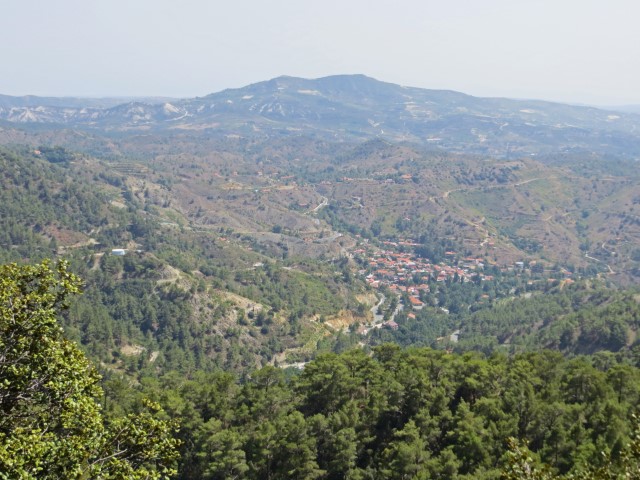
[355, 107]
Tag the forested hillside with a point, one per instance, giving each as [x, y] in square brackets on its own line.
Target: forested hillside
[180, 298]
[413, 413]
[573, 318]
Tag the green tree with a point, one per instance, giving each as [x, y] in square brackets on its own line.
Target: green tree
[470, 439]
[221, 452]
[51, 424]
[406, 455]
[521, 464]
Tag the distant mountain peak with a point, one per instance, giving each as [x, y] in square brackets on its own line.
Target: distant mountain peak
[356, 107]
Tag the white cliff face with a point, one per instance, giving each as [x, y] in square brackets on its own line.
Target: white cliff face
[36, 114]
[170, 109]
[22, 115]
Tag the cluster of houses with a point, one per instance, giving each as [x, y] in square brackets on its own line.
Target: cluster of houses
[404, 272]
[394, 265]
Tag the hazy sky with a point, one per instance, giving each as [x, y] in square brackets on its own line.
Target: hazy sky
[567, 50]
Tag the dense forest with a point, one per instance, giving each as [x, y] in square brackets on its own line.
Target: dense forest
[415, 413]
[397, 413]
[585, 317]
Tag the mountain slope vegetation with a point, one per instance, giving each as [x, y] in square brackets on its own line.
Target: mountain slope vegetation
[179, 297]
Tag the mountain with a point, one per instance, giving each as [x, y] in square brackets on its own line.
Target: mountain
[626, 108]
[356, 107]
[34, 101]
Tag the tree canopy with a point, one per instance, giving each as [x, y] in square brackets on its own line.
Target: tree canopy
[51, 422]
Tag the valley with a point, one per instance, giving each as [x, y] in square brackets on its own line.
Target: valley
[354, 265]
[243, 221]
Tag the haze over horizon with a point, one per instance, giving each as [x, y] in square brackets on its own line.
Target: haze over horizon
[571, 51]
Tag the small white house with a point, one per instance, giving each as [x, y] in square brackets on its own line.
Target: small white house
[119, 252]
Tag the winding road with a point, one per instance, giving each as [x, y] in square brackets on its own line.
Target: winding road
[323, 203]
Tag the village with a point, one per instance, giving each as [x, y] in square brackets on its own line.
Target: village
[394, 267]
[404, 271]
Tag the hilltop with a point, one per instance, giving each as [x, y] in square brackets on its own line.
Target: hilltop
[352, 108]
